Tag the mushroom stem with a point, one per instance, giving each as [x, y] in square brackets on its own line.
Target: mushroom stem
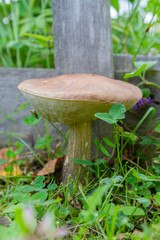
[79, 147]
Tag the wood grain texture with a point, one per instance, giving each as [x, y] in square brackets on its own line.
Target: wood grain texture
[82, 36]
[11, 77]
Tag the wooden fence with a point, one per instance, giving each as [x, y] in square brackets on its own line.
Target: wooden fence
[82, 41]
[11, 77]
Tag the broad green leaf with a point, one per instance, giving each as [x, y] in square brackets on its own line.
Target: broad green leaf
[12, 208]
[105, 117]
[27, 189]
[131, 210]
[143, 177]
[109, 143]
[18, 144]
[154, 178]
[49, 202]
[148, 64]
[39, 197]
[117, 111]
[63, 212]
[115, 4]
[96, 198]
[82, 161]
[21, 197]
[137, 72]
[31, 120]
[52, 187]
[38, 182]
[102, 148]
[113, 180]
[145, 201]
[117, 179]
[41, 143]
[139, 175]
[145, 185]
[106, 181]
[10, 154]
[146, 92]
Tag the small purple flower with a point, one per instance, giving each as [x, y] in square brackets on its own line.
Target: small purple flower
[141, 103]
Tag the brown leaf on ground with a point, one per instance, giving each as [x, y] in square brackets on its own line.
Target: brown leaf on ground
[16, 170]
[121, 236]
[3, 154]
[50, 166]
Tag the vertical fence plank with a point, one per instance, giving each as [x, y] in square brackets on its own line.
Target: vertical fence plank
[82, 36]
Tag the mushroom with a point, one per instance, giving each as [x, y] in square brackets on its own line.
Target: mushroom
[73, 100]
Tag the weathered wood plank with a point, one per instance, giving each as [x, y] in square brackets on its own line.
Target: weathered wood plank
[122, 63]
[83, 43]
[11, 77]
[82, 36]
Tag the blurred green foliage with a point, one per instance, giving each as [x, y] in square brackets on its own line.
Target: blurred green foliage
[137, 30]
[26, 34]
[17, 49]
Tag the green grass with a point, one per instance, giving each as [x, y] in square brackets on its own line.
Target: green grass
[122, 198]
[27, 38]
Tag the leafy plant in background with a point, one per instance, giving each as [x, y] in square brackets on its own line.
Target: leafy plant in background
[26, 36]
[131, 34]
[115, 115]
[40, 210]
[123, 202]
[152, 128]
[140, 72]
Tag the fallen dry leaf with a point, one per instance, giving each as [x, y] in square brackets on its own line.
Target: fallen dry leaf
[121, 236]
[16, 170]
[50, 166]
[3, 154]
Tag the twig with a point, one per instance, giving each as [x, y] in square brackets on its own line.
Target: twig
[95, 231]
[129, 160]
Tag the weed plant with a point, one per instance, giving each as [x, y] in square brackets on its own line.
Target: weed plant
[27, 37]
[120, 202]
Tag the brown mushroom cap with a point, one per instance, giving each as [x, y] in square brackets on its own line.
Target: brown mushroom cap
[74, 98]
